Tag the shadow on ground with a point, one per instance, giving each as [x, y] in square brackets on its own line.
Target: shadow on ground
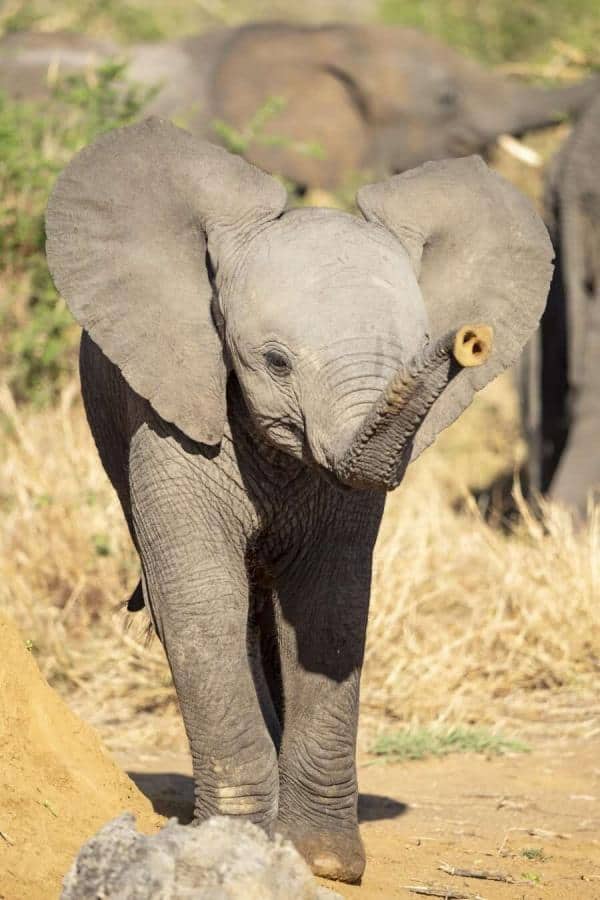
[172, 794]
[374, 807]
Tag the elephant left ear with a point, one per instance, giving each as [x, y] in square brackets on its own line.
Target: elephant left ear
[481, 255]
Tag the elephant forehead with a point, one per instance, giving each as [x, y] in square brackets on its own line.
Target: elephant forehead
[319, 267]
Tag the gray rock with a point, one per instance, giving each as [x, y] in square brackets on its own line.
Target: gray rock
[221, 859]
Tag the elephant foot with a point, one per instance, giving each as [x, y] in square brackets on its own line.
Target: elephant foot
[339, 856]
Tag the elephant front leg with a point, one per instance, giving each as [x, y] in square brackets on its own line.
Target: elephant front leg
[199, 596]
[322, 612]
[205, 637]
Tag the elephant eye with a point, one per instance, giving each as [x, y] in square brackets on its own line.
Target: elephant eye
[277, 362]
[448, 98]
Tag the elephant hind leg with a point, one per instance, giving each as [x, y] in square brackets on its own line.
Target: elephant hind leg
[263, 652]
[554, 379]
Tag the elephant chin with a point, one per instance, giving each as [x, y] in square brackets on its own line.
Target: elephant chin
[380, 450]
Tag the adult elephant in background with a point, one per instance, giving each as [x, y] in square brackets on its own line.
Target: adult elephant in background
[562, 372]
[30, 59]
[256, 378]
[30, 62]
[374, 98]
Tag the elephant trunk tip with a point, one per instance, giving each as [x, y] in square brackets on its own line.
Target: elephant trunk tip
[473, 345]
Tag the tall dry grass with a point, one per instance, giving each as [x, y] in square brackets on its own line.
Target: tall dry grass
[469, 623]
[67, 565]
[472, 624]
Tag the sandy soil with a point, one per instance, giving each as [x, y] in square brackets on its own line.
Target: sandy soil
[57, 783]
[465, 811]
[58, 786]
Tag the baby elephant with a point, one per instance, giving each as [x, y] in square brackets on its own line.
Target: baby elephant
[256, 378]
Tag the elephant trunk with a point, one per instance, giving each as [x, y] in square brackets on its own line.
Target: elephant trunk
[535, 107]
[379, 452]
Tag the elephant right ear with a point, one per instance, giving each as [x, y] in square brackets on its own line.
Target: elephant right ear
[130, 226]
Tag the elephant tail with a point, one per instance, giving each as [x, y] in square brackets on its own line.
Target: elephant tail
[136, 601]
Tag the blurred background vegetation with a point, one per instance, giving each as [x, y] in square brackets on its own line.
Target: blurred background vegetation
[37, 139]
[494, 31]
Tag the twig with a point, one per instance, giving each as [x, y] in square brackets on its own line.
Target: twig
[445, 893]
[542, 833]
[47, 806]
[6, 838]
[512, 804]
[534, 832]
[474, 873]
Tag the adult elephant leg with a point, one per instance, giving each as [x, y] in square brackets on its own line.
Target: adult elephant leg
[579, 470]
[323, 600]
[192, 554]
[578, 474]
[553, 381]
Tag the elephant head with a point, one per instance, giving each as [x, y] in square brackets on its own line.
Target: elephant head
[374, 97]
[353, 340]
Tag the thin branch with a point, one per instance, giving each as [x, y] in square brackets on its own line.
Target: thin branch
[474, 873]
[445, 893]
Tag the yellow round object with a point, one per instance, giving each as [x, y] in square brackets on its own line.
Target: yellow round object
[473, 345]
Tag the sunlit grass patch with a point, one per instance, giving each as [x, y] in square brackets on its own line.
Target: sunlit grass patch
[419, 743]
[499, 30]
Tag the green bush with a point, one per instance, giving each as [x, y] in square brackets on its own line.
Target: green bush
[37, 140]
[122, 20]
[497, 31]
[255, 132]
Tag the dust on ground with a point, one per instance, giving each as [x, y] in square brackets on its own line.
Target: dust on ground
[534, 818]
[58, 786]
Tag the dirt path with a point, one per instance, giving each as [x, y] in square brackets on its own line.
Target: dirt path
[466, 811]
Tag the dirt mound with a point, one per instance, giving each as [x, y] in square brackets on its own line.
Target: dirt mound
[57, 783]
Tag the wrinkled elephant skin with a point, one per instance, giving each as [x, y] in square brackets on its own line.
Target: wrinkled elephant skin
[255, 379]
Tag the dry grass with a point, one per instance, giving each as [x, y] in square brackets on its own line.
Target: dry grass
[67, 565]
[469, 623]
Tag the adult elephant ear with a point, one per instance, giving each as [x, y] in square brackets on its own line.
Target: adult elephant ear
[481, 255]
[133, 226]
